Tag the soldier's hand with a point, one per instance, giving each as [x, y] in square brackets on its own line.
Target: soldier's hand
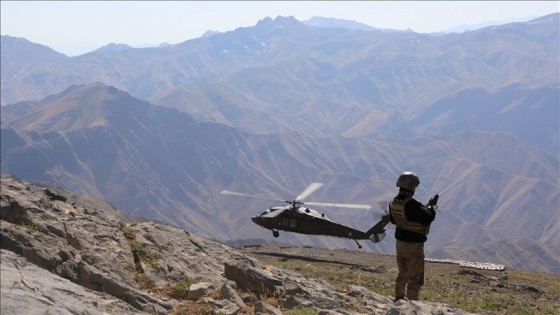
[433, 201]
[432, 210]
[386, 218]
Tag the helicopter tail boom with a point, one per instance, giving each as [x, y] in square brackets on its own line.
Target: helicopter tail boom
[377, 233]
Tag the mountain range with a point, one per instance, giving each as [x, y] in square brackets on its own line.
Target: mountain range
[266, 110]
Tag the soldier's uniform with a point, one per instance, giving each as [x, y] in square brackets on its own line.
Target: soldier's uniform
[412, 220]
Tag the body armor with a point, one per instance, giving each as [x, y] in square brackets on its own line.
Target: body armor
[397, 211]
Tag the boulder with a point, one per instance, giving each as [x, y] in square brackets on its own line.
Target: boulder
[250, 278]
[225, 307]
[198, 290]
[228, 292]
[265, 308]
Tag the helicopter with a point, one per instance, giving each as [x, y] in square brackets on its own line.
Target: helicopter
[297, 217]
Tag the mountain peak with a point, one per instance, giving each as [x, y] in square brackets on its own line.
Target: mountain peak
[79, 106]
[113, 47]
[100, 89]
[18, 50]
[285, 19]
[278, 21]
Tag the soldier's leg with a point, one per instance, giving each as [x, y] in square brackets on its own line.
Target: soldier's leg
[415, 270]
[402, 276]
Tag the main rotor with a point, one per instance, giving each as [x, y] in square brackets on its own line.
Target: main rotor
[298, 201]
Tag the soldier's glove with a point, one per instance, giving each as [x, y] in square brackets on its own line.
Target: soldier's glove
[386, 218]
[432, 210]
[433, 201]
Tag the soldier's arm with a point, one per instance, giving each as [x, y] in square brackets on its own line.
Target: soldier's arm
[415, 211]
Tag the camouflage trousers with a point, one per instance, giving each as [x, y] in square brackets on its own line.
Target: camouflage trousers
[410, 260]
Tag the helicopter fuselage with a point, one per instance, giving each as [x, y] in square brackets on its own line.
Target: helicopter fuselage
[299, 219]
[304, 220]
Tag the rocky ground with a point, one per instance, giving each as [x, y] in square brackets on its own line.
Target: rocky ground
[471, 289]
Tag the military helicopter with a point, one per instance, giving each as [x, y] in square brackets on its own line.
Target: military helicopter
[297, 217]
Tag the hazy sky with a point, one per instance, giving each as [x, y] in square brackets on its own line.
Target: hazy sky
[77, 27]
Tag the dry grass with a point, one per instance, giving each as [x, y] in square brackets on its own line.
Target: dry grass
[472, 290]
[476, 291]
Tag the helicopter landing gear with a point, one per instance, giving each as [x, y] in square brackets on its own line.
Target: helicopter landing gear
[359, 246]
[275, 233]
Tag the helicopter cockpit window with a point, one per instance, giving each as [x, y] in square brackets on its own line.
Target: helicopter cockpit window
[269, 210]
[287, 222]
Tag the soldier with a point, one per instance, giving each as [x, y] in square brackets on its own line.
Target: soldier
[412, 220]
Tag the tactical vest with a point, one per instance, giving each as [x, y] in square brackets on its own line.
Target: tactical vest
[397, 211]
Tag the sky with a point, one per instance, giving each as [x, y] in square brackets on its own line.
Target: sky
[77, 27]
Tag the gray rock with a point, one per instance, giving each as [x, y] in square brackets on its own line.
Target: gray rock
[228, 292]
[225, 307]
[89, 250]
[291, 287]
[265, 308]
[29, 289]
[251, 278]
[404, 307]
[198, 290]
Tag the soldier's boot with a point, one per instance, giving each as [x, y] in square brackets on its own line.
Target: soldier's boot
[400, 285]
[412, 292]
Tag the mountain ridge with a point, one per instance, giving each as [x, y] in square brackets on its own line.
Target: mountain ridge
[351, 78]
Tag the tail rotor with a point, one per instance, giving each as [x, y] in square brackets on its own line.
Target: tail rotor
[377, 232]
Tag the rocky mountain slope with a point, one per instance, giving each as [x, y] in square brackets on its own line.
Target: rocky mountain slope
[67, 253]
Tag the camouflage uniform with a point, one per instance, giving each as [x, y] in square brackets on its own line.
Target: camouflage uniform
[413, 223]
[410, 259]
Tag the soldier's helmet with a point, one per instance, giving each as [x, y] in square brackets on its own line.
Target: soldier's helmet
[408, 180]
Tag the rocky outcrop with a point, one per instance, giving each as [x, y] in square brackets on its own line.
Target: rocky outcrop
[29, 289]
[63, 253]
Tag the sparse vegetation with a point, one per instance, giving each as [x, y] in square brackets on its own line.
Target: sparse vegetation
[475, 291]
[144, 281]
[177, 292]
[127, 231]
[140, 252]
[32, 227]
[150, 257]
[190, 307]
[181, 287]
[272, 300]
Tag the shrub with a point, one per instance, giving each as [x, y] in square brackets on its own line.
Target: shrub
[181, 288]
[145, 281]
[127, 231]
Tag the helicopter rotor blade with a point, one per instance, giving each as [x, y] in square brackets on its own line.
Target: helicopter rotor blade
[309, 190]
[227, 192]
[340, 205]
